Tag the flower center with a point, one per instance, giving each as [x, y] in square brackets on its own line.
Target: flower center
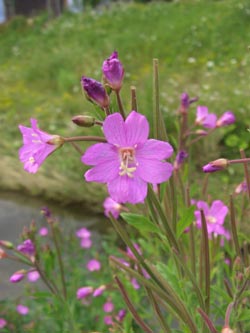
[211, 219]
[128, 163]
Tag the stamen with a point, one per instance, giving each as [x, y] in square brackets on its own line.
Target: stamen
[128, 164]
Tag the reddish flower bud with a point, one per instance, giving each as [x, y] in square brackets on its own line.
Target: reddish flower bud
[113, 71]
[95, 92]
[6, 244]
[83, 121]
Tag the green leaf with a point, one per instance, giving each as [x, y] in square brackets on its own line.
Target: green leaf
[139, 222]
[186, 219]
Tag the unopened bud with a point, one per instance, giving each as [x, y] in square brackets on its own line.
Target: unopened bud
[18, 276]
[216, 165]
[6, 244]
[3, 254]
[83, 121]
[56, 140]
[201, 132]
[247, 272]
[237, 265]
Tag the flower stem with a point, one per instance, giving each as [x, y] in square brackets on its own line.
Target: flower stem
[59, 257]
[132, 309]
[133, 98]
[242, 153]
[120, 105]
[85, 138]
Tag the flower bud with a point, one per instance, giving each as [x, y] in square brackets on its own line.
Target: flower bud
[3, 254]
[237, 265]
[56, 140]
[247, 272]
[227, 118]
[84, 292]
[216, 165]
[113, 71]
[6, 244]
[227, 329]
[83, 121]
[95, 92]
[99, 291]
[18, 276]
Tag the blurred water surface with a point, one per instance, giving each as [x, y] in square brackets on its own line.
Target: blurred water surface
[17, 211]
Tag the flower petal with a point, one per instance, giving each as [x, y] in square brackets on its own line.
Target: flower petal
[210, 121]
[137, 128]
[103, 172]
[154, 149]
[125, 189]
[219, 210]
[99, 153]
[153, 171]
[114, 130]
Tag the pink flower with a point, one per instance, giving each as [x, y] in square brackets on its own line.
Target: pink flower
[208, 120]
[121, 315]
[18, 276]
[111, 207]
[99, 291]
[215, 217]
[43, 231]
[3, 322]
[33, 276]
[108, 307]
[128, 161]
[93, 265]
[227, 118]
[83, 233]
[113, 71]
[22, 309]
[86, 243]
[37, 146]
[27, 247]
[84, 292]
[108, 320]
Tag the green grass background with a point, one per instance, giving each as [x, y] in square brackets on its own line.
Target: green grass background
[202, 47]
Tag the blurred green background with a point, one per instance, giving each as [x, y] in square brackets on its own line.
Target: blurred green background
[202, 47]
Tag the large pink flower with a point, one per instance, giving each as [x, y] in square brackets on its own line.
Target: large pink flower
[37, 146]
[128, 161]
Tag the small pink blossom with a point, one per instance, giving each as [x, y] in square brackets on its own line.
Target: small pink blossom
[3, 323]
[108, 320]
[43, 231]
[204, 118]
[22, 309]
[33, 276]
[27, 247]
[228, 118]
[84, 292]
[86, 243]
[112, 207]
[93, 265]
[37, 146]
[215, 217]
[135, 283]
[128, 161]
[121, 315]
[18, 276]
[108, 307]
[83, 233]
[99, 291]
